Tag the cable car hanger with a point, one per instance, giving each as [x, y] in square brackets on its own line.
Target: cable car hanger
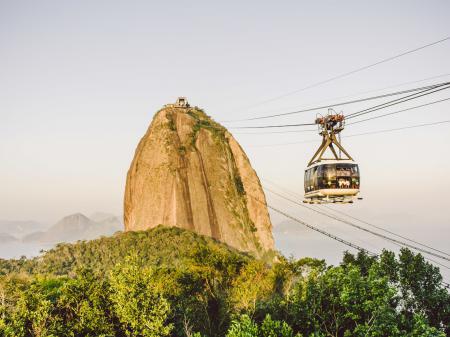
[330, 126]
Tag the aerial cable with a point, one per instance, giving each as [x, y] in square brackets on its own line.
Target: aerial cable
[385, 230]
[438, 263]
[274, 132]
[342, 103]
[360, 220]
[351, 123]
[398, 129]
[350, 95]
[354, 225]
[271, 126]
[447, 285]
[425, 257]
[360, 134]
[350, 72]
[422, 93]
[423, 90]
[283, 144]
[399, 111]
[395, 102]
[361, 228]
[334, 237]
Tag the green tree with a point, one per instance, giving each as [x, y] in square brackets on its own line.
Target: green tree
[418, 284]
[137, 300]
[251, 285]
[421, 289]
[214, 270]
[422, 329]
[342, 301]
[11, 288]
[243, 327]
[363, 260]
[84, 306]
[34, 312]
[273, 328]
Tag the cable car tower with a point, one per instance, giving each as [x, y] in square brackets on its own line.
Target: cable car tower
[335, 179]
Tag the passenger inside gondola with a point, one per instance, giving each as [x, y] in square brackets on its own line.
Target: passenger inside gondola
[331, 176]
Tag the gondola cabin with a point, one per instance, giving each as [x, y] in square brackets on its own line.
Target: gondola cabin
[332, 181]
[335, 179]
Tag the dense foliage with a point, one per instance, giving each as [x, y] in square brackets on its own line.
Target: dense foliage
[171, 282]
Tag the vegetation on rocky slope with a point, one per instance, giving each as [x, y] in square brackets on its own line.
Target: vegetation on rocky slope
[172, 282]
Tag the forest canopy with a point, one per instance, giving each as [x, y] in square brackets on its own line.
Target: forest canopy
[172, 282]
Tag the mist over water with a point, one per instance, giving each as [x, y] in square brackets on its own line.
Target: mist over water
[15, 250]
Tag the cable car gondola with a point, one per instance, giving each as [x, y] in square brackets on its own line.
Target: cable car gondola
[331, 180]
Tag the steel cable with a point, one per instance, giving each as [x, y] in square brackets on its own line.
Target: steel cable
[362, 228]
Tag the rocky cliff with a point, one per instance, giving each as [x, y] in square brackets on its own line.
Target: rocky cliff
[188, 171]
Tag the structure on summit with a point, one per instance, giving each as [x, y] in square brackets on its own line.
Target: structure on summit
[188, 171]
[180, 103]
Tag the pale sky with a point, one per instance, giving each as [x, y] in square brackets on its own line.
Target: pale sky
[81, 80]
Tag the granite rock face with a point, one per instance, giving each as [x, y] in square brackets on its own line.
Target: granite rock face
[188, 171]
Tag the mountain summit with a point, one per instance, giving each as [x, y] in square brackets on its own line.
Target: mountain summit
[188, 171]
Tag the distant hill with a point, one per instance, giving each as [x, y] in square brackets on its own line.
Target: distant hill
[107, 226]
[76, 227]
[162, 246]
[7, 238]
[19, 229]
[101, 216]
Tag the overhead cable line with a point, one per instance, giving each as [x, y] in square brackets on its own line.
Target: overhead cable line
[438, 263]
[360, 134]
[398, 129]
[334, 237]
[398, 101]
[399, 111]
[360, 227]
[425, 92]
[271, 126]
[342, 103]
[385, 230]
[351, 123]
[297, 195]
[274, 132]
[351, 72]
[413, 95]
[425, 257]
[350, 95]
